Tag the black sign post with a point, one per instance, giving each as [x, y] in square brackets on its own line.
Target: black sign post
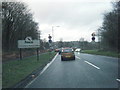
[37, 54]
[20, 54]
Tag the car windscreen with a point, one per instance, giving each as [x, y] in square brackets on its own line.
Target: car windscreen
[67, 50]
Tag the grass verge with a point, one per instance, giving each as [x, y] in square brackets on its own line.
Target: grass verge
[14, 71]
[104, 53]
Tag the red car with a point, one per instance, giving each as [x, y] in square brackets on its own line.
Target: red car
[67, 54]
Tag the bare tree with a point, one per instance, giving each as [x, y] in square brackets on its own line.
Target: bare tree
[17, 23]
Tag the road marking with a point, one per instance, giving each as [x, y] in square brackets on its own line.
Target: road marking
[118, 80]
[77, 57]
[42, 70]
[48, 64]
[92, 64]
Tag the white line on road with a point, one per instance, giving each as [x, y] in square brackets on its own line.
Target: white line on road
[48, 64]
[118, 80]
[43, 70]
[77, 57]
[92, 64]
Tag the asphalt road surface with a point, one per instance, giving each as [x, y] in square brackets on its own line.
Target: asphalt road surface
[87, 71]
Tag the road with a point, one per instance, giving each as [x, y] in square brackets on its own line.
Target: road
[87, 71]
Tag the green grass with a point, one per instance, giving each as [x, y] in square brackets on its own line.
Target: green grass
[105, 53]
[15, 71]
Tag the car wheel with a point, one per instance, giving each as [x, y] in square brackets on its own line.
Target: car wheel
[62, 59]
[74, 58]
[59, 53]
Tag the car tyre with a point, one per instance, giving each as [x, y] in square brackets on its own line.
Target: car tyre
[74, 58]
[62, 59]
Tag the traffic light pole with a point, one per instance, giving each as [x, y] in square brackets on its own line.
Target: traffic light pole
[49, 41]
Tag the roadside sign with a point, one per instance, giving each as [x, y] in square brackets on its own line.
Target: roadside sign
[49, 37]
[24, 44]
[93, 34]
[50, 41]
[28, 40]
[93, 38]
[28, 43]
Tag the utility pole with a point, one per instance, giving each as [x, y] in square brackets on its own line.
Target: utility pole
[53, 31]
[38, 37]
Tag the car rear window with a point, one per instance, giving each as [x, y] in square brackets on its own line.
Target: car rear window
[67, 50]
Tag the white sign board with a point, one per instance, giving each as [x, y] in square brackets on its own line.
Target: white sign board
[28, 43]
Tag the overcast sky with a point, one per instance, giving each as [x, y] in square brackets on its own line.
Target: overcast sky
[76, 18]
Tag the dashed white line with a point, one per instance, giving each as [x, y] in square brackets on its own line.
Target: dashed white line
[77, 57]
[118, 80]
[92, 65]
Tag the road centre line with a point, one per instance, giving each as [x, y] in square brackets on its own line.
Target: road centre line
[43, 70]
[118, 80]
[92, 65]
[77, 57]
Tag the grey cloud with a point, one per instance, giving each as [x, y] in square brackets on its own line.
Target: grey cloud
[72, 14]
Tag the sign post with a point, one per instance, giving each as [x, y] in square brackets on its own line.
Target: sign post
[28, 43]
[20, 54]
[37, 55]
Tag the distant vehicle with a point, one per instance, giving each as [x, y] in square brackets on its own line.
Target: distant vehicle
[57, 50]
[67, 54]
[78, 50]
[60, 50]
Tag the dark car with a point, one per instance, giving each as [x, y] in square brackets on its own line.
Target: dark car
[67, 54]
[60, 50]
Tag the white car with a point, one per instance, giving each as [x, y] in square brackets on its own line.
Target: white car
[78, 50]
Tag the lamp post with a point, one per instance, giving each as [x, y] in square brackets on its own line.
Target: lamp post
[53, 31]
[53, 34]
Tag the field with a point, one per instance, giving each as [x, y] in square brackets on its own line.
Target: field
[105, 53]
[16, 70]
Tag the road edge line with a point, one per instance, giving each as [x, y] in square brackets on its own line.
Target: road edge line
[43, 70]
[48, 64]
